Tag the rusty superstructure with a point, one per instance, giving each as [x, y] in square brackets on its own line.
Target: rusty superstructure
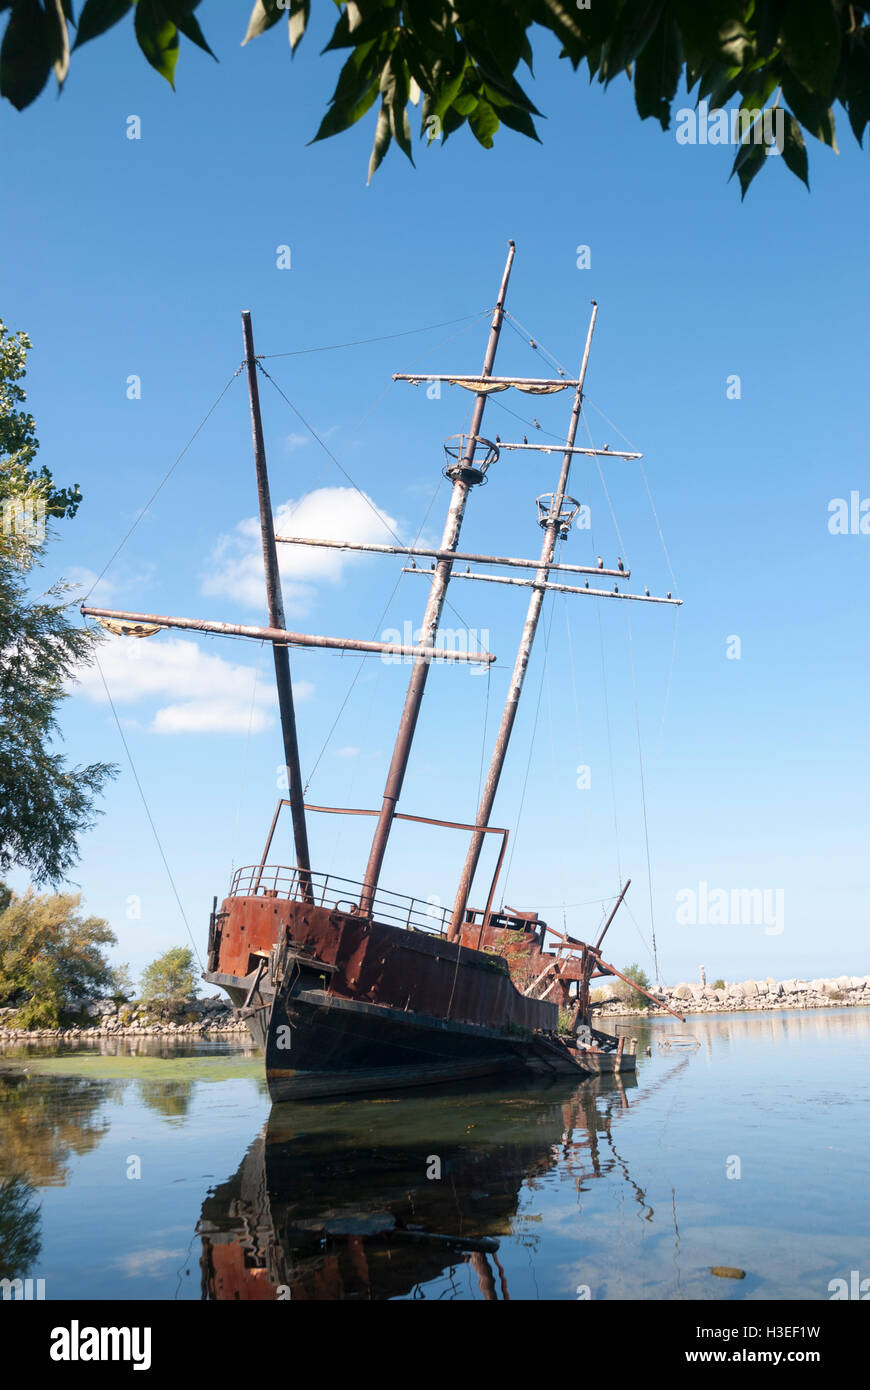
[344, 985]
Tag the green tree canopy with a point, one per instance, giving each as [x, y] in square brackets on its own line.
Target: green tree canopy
[457, 60]
[170, 980]
[51, 956]
[44, 804]
[632, 997]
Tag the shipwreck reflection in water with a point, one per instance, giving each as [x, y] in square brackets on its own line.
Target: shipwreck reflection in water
[343, 1200]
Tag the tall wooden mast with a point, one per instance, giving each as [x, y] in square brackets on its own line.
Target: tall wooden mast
[464, 477]
[554, 525]
[275, 602]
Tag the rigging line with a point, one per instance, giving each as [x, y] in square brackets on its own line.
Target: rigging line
[147, 810]
[383, 338]
[522, 419]
[378, 624]
[529, 762]
[483, 740]
[606, 493]
[633, 447]
[245, 757]
[368, 501]
[637, 925]
[326, 449]
[609, 735]
[163, 482]
[670, 678]
[536, 344]
[643, 798]
[573, 672]
[390, 384]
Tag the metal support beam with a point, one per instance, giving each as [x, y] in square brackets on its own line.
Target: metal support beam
[275, 601]
[548, 550]
[281, 637]
[432, 616]
[560, 588]
[371, 548]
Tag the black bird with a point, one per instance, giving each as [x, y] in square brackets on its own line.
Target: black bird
[646, 591]
[498, 439]
[525, 439]
[600, 563]
[535, 423]
[619, 564]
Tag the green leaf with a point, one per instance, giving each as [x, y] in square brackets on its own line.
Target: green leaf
[98, 16]
[517, 119]
[855, 93]
[158, 38]
[811, 43]
[657, 73]
[300, 11]
[340, 118]
[26, 55]
[181, 14]
[382, 141]
[484, 123]
[813, 112]
[749, 159]
[264, 15]
[794, 150]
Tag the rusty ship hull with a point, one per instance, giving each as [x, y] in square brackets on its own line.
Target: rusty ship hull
[341, 1003]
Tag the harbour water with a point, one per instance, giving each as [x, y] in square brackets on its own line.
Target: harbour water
[145, 1170]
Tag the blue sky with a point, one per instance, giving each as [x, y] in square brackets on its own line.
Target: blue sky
[134, 258]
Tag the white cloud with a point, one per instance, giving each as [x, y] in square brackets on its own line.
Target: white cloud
[336, 513]
[87, 581]
[347, 752]
[207, 694]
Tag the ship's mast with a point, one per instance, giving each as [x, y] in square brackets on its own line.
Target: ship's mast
[554, 526]
[275, 602]
[464, 477]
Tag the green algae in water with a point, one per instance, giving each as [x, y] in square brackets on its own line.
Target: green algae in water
[226, 1068]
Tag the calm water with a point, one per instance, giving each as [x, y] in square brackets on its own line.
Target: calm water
[544, 1190]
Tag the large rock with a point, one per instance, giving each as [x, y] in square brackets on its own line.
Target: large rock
[774, 987]
[830, 987]
[793, 986]
[735, 992]
[683, 992]
[750, 989]
[844, 983]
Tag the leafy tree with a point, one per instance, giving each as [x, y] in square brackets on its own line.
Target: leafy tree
[121, 985]
[457, 60]
[170, 981]
[638, 977]
[20, 1240]
[50, 955]
[44, 804]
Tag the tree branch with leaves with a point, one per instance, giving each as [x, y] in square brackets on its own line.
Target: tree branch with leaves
[458, 62]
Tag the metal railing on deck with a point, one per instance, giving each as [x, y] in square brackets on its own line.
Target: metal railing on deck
[342, 894]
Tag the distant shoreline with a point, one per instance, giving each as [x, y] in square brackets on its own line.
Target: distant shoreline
[750, 996]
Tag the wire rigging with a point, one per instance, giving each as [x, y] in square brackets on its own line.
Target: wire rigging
[162, 483]
[382, 338]
[148, 812]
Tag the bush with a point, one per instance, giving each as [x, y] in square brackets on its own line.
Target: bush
[169, 982]
[632, 998]
[50, 954]
[718, 984]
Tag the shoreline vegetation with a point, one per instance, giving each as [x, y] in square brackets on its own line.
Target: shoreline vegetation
[745, 997]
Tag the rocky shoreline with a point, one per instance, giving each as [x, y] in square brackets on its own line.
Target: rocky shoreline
[203, 1018]
[746, 996]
